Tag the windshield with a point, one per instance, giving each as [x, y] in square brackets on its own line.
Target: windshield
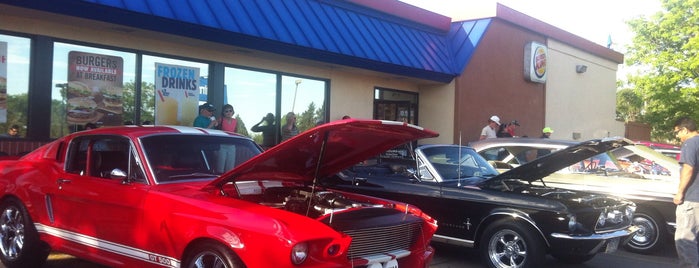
[452, 163]
[195, 157]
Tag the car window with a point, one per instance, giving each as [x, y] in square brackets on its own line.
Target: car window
[195, 157]
[515, 155]
[101, 155]
[452, 163]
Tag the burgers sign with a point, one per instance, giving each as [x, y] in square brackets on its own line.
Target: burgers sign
[94, 92]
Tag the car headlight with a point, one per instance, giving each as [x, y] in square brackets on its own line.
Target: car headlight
[299, 253]
[602, 218]
[572, 223]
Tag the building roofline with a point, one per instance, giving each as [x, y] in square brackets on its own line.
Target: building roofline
[513, 16]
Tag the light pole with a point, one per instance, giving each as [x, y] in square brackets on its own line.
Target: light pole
[293, 105]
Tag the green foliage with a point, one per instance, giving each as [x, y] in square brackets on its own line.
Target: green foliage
[666, 49]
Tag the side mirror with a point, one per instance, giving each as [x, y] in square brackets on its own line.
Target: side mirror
[117, 174]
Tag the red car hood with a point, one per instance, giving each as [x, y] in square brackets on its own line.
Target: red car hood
[325, 150]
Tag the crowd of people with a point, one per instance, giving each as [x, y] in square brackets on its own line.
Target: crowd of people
[495, 129]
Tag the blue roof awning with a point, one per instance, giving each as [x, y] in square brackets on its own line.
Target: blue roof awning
[337, 32]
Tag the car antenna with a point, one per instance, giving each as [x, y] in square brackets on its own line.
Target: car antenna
[458, 163]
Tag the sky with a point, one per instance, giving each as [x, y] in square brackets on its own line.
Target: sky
[594, 20]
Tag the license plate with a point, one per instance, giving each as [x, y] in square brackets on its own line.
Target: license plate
[612, 245]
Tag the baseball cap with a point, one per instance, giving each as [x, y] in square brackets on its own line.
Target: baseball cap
[547, 130]
[208, 106]
[495, 119]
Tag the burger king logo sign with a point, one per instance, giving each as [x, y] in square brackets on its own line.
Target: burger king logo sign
[535, 55]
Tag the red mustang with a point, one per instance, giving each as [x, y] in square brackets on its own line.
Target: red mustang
[140, 196]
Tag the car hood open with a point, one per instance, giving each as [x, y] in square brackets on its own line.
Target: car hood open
[325, 150]
[550, 163]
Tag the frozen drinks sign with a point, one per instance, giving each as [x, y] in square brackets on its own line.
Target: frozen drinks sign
[535, 55]
[176, 94]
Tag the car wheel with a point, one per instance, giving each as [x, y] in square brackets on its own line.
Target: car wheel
[19, 241]
[211, 255]
[650, 236]
[573, 259]
[512, 244]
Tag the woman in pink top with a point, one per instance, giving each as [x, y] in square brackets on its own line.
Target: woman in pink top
[226, 154]
[227, 122]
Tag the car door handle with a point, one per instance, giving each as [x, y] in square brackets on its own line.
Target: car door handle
[60, 182]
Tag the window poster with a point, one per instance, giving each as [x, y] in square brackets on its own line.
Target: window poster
[176, 94]
[3, 82]
[95, 89]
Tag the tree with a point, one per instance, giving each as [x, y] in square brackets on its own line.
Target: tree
[666, 50]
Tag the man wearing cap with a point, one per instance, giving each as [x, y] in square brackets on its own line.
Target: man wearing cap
[508, 130]
[206, 117]
[546, 133]
[489, 131]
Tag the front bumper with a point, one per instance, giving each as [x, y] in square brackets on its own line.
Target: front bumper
[591, 244]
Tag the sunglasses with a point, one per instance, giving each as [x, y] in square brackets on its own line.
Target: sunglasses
[228, 111]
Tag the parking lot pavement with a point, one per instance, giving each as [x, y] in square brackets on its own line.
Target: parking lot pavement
[455, 257]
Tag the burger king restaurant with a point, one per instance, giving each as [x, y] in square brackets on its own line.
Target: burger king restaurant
[66, 63]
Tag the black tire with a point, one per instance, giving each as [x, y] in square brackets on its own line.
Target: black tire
[573, 259]
[509, 243]
[19, 241]
[210, 254]
[651, 236]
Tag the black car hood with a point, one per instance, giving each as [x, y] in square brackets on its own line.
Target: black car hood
[550, 163]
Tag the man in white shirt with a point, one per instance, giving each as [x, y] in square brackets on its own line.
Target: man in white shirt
[490, 130]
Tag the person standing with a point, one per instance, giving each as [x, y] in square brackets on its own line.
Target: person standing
[225, 159]
[546, 133]
[687, 196]
[269, 131]
[12, 132]
[508, 130]
[227, 122]
[206, 118]
[289, 129]
[490, 130]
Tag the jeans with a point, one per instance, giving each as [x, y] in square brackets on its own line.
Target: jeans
[686, 236]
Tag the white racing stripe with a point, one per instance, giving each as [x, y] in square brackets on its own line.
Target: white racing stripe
[100, 244]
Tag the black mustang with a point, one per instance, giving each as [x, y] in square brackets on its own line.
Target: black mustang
[513, 217]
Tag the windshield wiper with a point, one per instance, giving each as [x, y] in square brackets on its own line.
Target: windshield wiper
[193, 175]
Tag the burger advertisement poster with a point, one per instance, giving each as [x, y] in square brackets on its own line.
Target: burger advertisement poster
[176, 94]
[3, 82]
[95, 89]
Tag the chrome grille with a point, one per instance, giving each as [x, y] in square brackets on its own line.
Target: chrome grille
[378, 240]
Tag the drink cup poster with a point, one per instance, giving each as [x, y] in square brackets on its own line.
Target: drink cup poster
[176, 94]
[94, 93]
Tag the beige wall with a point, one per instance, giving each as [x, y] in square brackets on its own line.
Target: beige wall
[580, 103]
[351, 89]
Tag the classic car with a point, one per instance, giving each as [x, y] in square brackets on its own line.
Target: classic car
[150, 196]
[508, 217]
[634, 172]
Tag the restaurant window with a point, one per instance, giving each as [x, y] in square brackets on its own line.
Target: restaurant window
[254, 94]
[14, 82]
[395, 105]
[304, 98]
[172, 90]
[91, 85]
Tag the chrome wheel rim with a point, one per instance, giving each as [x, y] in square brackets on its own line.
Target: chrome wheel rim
[208, 259]
[647, 234]
[11, 233]
[507, 249]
